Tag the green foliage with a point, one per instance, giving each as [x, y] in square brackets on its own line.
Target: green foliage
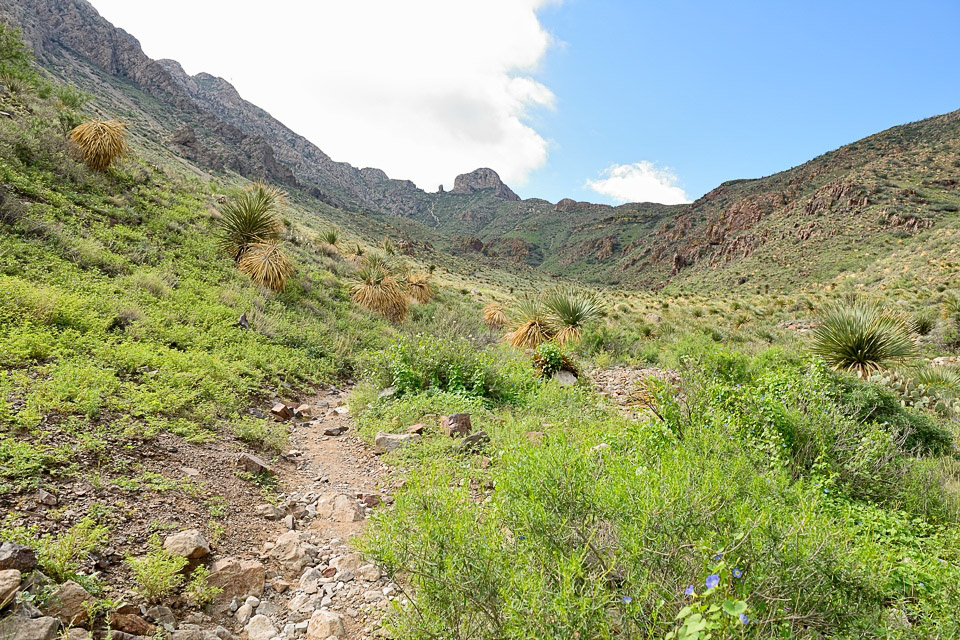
[549, 358]
[858, 336]
[14, 56]
[157, 574]
[572, 310]
[61, 557]
[198, 590]
[713, 610]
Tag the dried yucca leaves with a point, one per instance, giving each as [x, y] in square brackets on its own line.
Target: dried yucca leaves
[266, 265]
[100, 142]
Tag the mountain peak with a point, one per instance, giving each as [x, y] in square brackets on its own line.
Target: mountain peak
[483, 178]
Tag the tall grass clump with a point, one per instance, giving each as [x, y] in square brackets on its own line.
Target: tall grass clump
[250, 218]
[572, 310]
[374, 289]
[100, 142]
[419, 287]
[860, 337]
[266, 265]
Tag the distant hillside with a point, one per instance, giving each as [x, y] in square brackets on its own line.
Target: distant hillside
[837, 212]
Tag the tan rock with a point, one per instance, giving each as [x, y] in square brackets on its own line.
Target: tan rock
[237, 578]
[19, 628]
[9, 584]
[324, 624]
[387, 442]
[187, 544]
[131, 623]
[70, 604]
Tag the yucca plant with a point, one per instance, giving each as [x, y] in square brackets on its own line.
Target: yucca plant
[266, 265]
[249, 218]
[940, 377]
[357, 254]
[331, 237]
[533, 324]
[860, 337]
[571, 310]
[419, 288]
[100, 142]
[376, 290]
[388, 247]
[494, 316]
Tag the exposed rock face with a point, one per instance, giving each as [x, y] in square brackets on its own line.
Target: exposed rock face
[28, 628]
[480, 179]
[237, 577]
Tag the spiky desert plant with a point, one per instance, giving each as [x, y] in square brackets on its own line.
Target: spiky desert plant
[419, 288]
[388, 247]
[250, 218]
[571, 310]
[494, 316]
[331, 237]
[376, 290]
[100, 142]
[376, 260]
[859, 336]
[357, 253]
[266, 265]
[940, 377]
[533, 324]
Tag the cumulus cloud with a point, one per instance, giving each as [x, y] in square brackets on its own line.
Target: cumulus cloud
[423, 89]
[639, 182]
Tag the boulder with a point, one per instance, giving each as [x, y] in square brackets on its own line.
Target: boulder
[253, 464]
[565, 378]
[387, 442]
[17, 628]
[187, 544]
[17, 556]
[9, 584]
[260, 628]
[237, 578]
[324, 624]
[340, 508]
[456, 425]
[70, 604]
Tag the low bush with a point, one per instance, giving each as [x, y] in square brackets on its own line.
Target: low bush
[157, 574]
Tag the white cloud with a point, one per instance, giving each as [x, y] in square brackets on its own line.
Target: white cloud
[639, 182]
[423, 89]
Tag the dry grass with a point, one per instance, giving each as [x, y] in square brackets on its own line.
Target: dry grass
[494, 316]
[376, 290]
[533, 325]
[100, 142]
[419, 287]
[266, 265]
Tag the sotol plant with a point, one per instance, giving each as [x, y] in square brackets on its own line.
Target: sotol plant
[860, 337]
[494, 316]
[250, 218]
[571, 310]
[376, 290]
[533, 325]
[418, 285]
[266, 265]
[100, 142]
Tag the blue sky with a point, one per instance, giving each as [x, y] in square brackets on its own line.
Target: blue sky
[658, 101]
[723, 90]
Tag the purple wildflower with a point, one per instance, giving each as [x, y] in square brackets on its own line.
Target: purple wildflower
[713, 581]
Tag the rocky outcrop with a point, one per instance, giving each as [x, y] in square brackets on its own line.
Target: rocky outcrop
[483, 179]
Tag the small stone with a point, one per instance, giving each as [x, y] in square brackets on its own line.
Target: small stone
[253, 464]
[372, 596]
[324, 624]
[260, 628]
[288, 522]
[417, 429]
[303, 411]
[46, 498]
[280, 585]
[162, 616]
[131, 623]
[389, 392]
[188, 544]
[475, 441]
[243, 615]
[370, 500]
[281, 411]
[267, 608]
[387, 442]
[17, 556]
[369, 572]
[269, 511]
[335, 431]
[349, 562]
[310, 580]
[456, 425]
[340, 508]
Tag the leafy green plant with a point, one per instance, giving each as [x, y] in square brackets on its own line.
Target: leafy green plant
[61, 557]
[157, 574]
[860, 337]
[249, 218]
[716, 611]
[198, 589]
[549, 358]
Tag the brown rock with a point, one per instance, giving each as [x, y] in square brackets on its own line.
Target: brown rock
[70, 604]
[303, 411]
[334, 431]
[417, 429]
[534, 437]
[370, 500]
[253, 464]
[456, 425]
[238, 578]
[131, 623]
[282, 411]
[17, 556]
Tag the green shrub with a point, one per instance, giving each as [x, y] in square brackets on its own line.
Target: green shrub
[858, 336]
[198, 590]
[157, 574]
[61, 557]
